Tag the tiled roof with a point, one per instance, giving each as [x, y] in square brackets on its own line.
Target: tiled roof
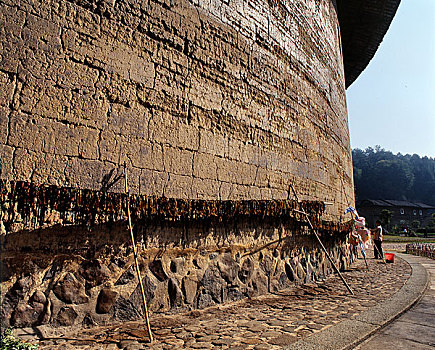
[397, 203]
[375, 202]
[393, 203]
[363, 24]
[424, 206]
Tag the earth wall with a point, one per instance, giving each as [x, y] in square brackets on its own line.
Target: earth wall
[204, 101]
[208, 100]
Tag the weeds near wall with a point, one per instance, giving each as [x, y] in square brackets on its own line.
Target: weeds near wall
[9, 342]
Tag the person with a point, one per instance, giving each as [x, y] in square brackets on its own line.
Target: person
[354, 241]
[377, 240]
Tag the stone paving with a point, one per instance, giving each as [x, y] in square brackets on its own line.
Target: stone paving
[266, 322]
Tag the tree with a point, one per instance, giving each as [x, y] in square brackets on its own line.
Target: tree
[431, 224]
[385, 217]
[380, 174]
[415, 224]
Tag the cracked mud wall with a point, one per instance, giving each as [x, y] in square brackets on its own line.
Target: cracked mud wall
[213, 100]
[200, 99]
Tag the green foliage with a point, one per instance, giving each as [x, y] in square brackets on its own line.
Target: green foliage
[380, 174]
[401, 239]
[404, 224]
[415, 224]
[9, 342]
[431, 225]
[385, 216]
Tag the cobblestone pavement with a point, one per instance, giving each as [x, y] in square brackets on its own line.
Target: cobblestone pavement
[266, 322]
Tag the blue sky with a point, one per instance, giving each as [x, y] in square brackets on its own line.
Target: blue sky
[392, 103]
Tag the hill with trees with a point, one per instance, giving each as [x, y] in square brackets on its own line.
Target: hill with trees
[380, 174]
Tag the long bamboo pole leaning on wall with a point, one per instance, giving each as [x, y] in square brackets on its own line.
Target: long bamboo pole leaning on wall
[150, 334]
[320, 242]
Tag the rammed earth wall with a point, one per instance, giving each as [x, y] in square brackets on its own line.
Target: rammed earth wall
[203, 100]
[199, 100]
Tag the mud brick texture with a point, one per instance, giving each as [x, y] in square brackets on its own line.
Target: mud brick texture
[211, 100]
[200, 99]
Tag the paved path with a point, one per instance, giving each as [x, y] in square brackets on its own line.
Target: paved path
[350, 332]
[416, 328]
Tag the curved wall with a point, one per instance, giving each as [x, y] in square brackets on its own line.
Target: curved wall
[217, 100]
[200, 99]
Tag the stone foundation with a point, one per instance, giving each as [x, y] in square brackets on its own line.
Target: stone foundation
[93, 286]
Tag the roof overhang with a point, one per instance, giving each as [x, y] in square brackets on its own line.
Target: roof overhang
[363, 24]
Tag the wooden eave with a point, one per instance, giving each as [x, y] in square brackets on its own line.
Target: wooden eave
[363, 25]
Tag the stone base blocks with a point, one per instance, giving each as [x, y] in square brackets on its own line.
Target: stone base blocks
[96, 283]
[67, 258]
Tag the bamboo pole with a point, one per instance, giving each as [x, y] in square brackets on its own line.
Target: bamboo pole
[150, 334]
[320, 242]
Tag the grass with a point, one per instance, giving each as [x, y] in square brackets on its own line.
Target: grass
[9, 342]
[400, 239]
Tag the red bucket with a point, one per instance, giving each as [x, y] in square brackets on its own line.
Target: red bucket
[389, 257]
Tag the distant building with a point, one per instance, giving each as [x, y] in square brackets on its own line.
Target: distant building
[404, 212]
